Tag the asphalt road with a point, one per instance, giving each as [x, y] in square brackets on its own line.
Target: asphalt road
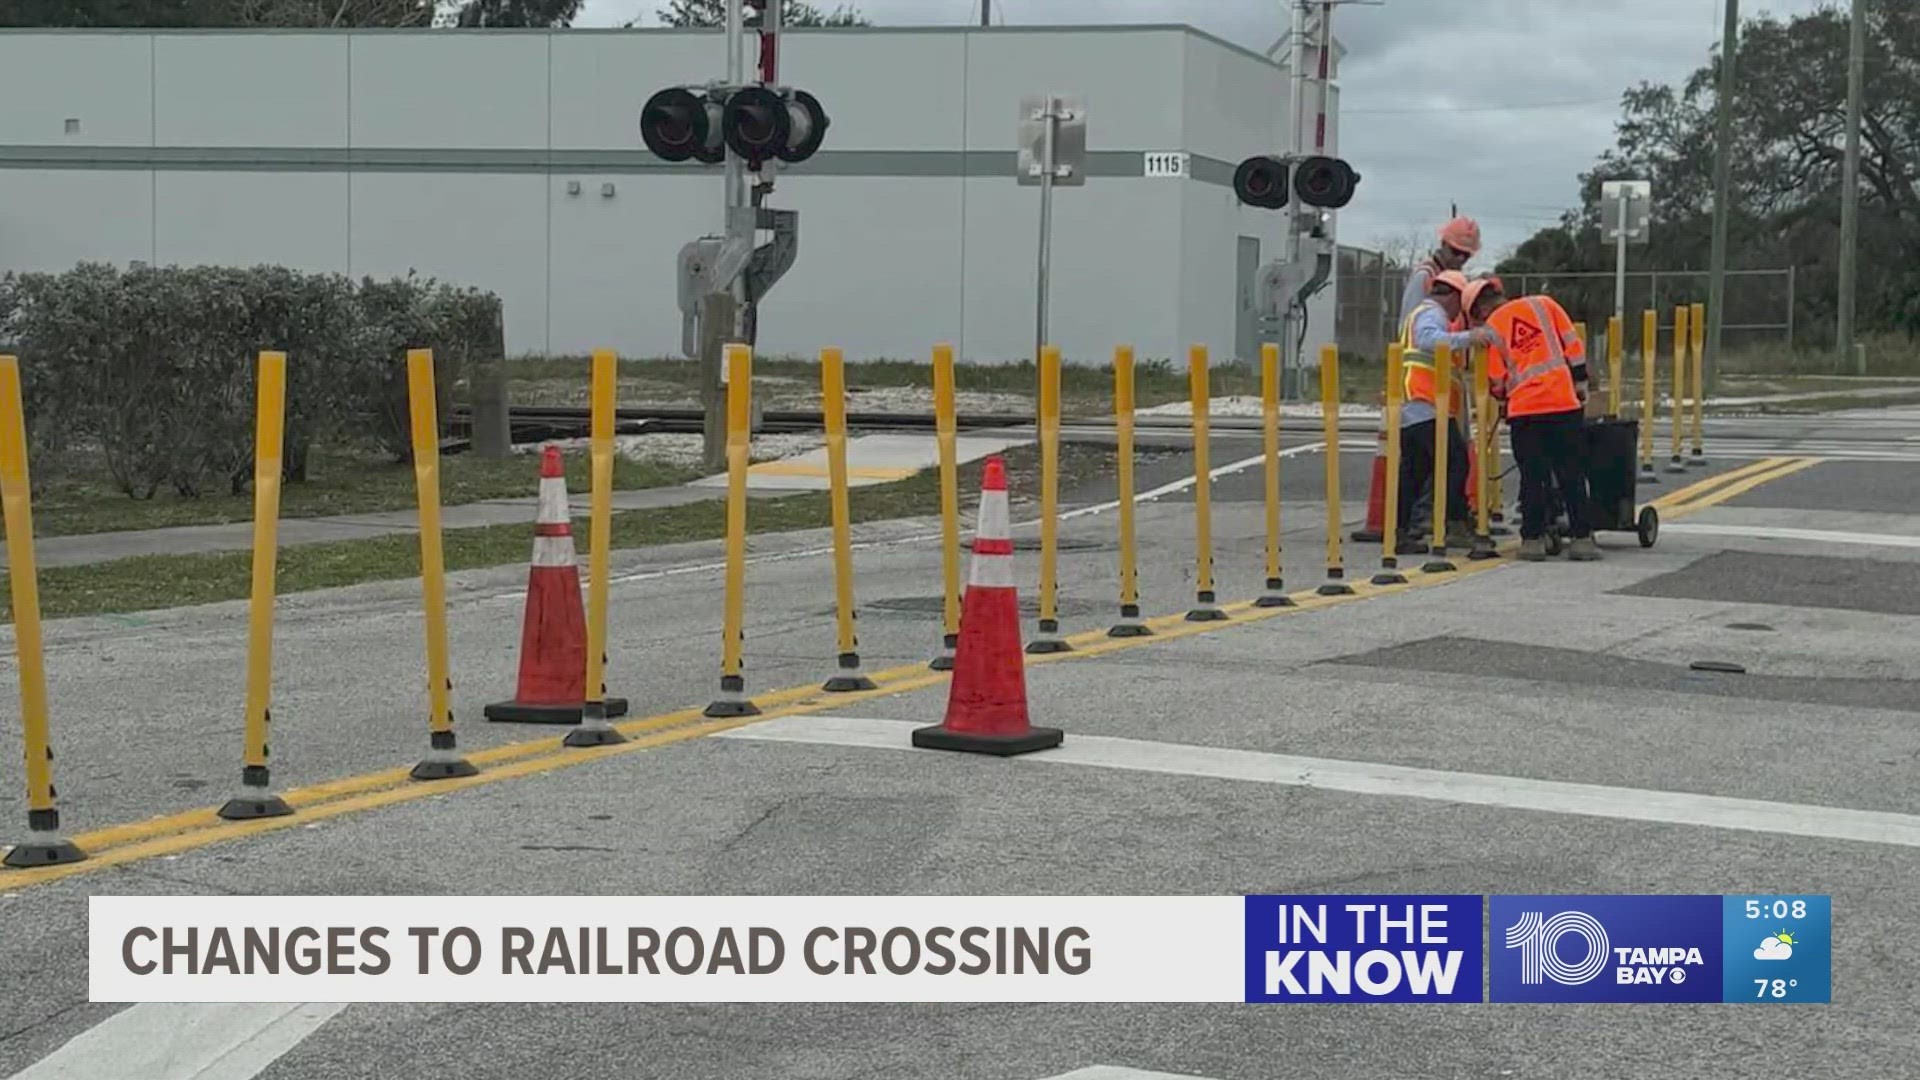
[1556, 673]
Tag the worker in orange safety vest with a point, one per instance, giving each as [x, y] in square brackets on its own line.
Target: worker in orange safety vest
[1428, 326]
[1538, 371]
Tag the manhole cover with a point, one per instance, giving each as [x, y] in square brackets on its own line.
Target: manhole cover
[935, 606]
[1032, 543]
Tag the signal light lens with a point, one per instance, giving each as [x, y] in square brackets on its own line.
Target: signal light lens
[677, 125]
[807, 127]
[1324, 181]
[1262, 182]
[757, 123]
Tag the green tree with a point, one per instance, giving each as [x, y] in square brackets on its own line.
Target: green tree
[1789, 130]
[518, 13]
[705, 13]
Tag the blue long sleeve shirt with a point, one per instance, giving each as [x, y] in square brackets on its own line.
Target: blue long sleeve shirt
[1430, 331]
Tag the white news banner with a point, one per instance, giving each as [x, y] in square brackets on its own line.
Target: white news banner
[692, 948]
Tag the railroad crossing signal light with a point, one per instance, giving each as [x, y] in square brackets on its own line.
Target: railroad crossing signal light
[756, 122]
[1268, 182]
[678, 124]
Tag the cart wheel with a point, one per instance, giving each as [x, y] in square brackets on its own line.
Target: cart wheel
[1649, 526]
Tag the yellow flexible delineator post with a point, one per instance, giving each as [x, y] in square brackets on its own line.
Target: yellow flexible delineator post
[256, 798]
[733, 699]
[44, 845]
[1680, 338]
[1205, 608]
[1487, 460]
[1390, 512]
[1442, 439]
[1336, 584]
[443, 760]
[1649, 390]
[1048, 639]
[1615, 328]
[946, 434]
[594, 730]
[847, 675]
[1273, 592]
[1698, 324]
[1129, 624]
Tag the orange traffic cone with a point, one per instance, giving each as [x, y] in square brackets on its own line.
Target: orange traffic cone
[553, 637]
[1377, 494]
[987, 701]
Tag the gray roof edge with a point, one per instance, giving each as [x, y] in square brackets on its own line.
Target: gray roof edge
[1113, 28]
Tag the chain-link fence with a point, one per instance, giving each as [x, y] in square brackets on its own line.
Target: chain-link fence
[1759, 304]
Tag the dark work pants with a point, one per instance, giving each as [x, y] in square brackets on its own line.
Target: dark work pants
[1551, 448]
[1416, 474]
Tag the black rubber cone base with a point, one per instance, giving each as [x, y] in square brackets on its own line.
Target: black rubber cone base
[1206, 614]
[941, 663]
[1335, 588]
[732, 708]
[1438, 566]
[846, 684]
[1130, 630]
[444, 769]
[43, 853]
[1044, 646]
[513, 712]
[937, 737]
[1274, 600]
[248, 807]
[1389, 577]
[593, 736]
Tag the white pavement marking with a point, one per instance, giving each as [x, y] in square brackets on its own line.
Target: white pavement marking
[1781, 532]
[1118, 1073]
[1367, 778]
[153, 1041]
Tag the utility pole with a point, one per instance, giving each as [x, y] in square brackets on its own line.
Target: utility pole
[1722, 186]
[1850, 189]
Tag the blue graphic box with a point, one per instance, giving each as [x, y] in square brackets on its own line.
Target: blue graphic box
[1779, 948]
[1605, 948]
[1365, 948]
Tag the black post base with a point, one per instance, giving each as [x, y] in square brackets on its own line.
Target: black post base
[845, 684]
[248, 807]
[444, 769]
[1274, 600]
[1130, 630]
[1042, 646]
[43, 853]
[593, 736]
[937, 737]
[1389, 577]
[726, 708]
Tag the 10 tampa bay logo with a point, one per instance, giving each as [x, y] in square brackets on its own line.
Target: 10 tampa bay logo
[1605, 948]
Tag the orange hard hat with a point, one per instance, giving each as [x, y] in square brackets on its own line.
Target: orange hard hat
[1475, 288]
[1462, 233]
[1452, 279]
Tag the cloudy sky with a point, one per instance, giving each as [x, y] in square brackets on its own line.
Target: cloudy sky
[1513, 98]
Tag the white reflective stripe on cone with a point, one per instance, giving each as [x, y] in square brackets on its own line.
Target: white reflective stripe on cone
[991, 572]
[553, 551]
[553, 500]
[995, 520]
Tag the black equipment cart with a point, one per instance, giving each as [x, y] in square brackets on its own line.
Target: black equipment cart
[1612, 469]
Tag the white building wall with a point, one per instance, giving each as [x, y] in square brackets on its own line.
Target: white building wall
[511, 161]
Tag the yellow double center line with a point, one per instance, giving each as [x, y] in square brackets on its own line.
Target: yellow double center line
[170, 835]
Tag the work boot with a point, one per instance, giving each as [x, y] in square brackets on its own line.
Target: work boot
[1459, 536]
[1534, 550]
[1584, 550]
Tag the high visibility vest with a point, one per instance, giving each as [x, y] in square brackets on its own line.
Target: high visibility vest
[1532, 368]
[1417, 368]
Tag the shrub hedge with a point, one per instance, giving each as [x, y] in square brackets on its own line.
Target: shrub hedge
[155, 366]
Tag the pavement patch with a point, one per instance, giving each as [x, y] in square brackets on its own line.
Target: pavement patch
[1839, 485]
[1395, 781]
[1581, 667]
[1812, 581]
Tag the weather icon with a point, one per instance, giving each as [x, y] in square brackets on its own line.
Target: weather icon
[1775, 947]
